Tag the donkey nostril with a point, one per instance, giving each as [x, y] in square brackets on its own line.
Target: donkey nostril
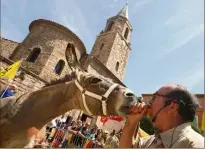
[129, 94]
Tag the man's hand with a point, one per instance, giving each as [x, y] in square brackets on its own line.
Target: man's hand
[136, 114]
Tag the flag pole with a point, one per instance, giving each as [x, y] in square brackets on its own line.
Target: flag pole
[11, 81]
[6, 88]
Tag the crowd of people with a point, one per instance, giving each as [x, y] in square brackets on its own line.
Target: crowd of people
[61, 134]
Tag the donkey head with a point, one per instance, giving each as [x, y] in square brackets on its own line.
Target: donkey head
[98, 95]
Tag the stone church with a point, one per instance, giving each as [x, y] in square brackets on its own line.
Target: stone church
[43, 52]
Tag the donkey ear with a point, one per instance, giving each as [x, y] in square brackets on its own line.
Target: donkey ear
[71, 57]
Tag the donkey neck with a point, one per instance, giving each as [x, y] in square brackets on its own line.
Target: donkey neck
[53, 101]
[35, 109]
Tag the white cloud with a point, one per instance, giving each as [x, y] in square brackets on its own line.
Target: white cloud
[9, 30]
[185, 14]
[185, 25]
[115, 1]
[192, 79]
[139, 4]
[183, 37]
[63, 14]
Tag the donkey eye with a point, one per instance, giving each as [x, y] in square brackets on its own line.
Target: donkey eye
[95, 80]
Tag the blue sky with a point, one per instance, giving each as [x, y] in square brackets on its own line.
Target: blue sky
[167, 38]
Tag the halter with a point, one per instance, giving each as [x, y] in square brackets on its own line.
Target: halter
[102, 98]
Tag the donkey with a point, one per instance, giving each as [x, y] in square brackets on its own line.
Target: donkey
[92, 94]
[95, 95]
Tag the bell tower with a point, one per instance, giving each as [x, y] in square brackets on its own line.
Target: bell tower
[112, 45]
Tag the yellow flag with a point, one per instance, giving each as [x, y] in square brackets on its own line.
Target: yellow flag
[141, 133]
[10, 71]
[202, 122]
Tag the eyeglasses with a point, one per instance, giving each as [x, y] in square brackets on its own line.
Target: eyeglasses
[161, 95]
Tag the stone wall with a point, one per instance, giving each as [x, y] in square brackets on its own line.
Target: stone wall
[119, 53]
[7, 47]
[103, 46]
[52, 39]
[115, 50]
[119, 25]
[58, 53]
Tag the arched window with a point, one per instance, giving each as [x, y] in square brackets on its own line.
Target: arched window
[34, 55]
[126, 33]
[59, 66]
[110, 26]
[117, 66]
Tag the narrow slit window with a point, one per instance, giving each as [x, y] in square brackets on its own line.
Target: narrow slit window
[126, 33]
[59, 67]
[117, 66]
[110, 26]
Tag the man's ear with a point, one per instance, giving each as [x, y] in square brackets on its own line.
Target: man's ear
[173, 107]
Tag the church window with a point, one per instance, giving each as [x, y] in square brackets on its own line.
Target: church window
[110, 26]
[34, 55]
[59, 66]
[126, 33]
[117, 66]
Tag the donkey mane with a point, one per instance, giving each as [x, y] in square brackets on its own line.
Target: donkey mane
[66, 78]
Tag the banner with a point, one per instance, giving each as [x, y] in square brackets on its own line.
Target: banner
[10, 71]
[115, 118]
[104, 119]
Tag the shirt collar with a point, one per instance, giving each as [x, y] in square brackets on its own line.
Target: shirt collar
[177, 132]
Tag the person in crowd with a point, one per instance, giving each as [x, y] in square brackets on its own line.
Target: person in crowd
[92, 134]
[173, 109]
[105, 135]
[112, 141]
[100, 138]
[72, 126]
[85, 130]
[10, 91]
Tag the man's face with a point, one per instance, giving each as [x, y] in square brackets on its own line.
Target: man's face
[157, 102]
[106, 134]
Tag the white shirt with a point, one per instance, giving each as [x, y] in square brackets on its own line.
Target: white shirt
[183, 137]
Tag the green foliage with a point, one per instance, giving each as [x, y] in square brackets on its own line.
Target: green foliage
[195, 127]
[102, 32]
[146, 125]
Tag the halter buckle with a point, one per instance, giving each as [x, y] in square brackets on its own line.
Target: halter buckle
[104, 98]
[83, 91]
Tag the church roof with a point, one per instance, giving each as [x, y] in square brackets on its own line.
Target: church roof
[124, 11]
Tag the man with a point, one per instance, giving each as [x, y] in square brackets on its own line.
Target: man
[10, 91]
[173, 108]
